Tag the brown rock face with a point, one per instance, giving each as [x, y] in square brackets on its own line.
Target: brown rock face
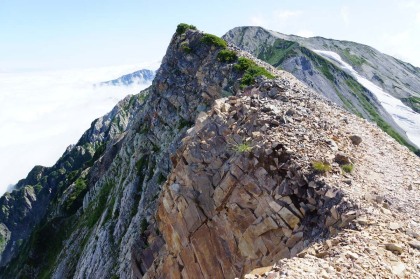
[237, 197]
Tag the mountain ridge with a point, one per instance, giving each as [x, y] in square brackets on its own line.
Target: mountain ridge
[222, 165]
[141, 76]
[295, 55]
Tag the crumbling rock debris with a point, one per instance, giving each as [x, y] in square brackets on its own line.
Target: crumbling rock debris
[239, 211]
[235, 195]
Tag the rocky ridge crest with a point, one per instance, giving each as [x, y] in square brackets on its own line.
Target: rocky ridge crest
[244, 192]
[208, 180]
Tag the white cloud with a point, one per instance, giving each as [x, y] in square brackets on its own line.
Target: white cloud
[42, 113]
[403, 45]
[305, 33]
[345, 15]
[410, 4]
[275, 18]
[411, 9]
[258, 21]
[284, 15]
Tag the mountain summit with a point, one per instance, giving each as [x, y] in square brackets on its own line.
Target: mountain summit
[224, 165]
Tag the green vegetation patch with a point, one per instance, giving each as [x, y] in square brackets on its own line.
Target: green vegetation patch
[182, 27]
[321, 167]
[415, 100]
[2, 243]
[252, 70]
[322, 64]
[244, 64]
[353, 59]
[227, 56]
[93, 212]
[243, 147]
[186, 47]
[347, 104]
[161, 178]
[347, 168]
[99, 151]
[37, 188]
[412, 102]
[278, 52]
[75, 199]
[211, 39]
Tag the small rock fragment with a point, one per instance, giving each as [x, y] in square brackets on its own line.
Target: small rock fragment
[352, 255]
[342, 158]
[356, 140]
[394, 247]
[394, 226]
[261, 271]
[415, 244]
[398, 269]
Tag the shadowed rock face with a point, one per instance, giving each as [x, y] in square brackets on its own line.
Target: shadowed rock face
[101, 195]
[239, 195]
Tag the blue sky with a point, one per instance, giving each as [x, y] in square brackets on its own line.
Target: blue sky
[48, 34]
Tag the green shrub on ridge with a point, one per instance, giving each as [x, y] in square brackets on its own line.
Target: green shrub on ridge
[211, 39]
[227, 56]
[252, 70]
[182, 27]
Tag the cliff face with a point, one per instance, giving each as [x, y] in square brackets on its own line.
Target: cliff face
[97, 211]
[37, 196]
[200, 175]
[240, 196]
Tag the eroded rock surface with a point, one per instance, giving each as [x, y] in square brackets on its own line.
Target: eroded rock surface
[200, 177]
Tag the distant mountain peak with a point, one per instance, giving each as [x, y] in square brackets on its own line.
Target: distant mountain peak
[384, 75]
[138, 77]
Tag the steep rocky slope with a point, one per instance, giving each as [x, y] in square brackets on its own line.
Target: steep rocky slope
[41, 191]
[306, 59]
[383, 241]
[210, 173]
[96, 212]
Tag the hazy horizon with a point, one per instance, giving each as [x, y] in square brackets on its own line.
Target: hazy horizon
[41, 113]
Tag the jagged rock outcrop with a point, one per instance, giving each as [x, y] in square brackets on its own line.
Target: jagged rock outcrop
[238, 196]
[244, 192]
[202, 176]
[101, 208]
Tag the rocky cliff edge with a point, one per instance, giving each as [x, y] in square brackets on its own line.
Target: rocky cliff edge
[219, 172]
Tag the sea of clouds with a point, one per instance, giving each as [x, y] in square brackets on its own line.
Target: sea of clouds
[41, 113]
